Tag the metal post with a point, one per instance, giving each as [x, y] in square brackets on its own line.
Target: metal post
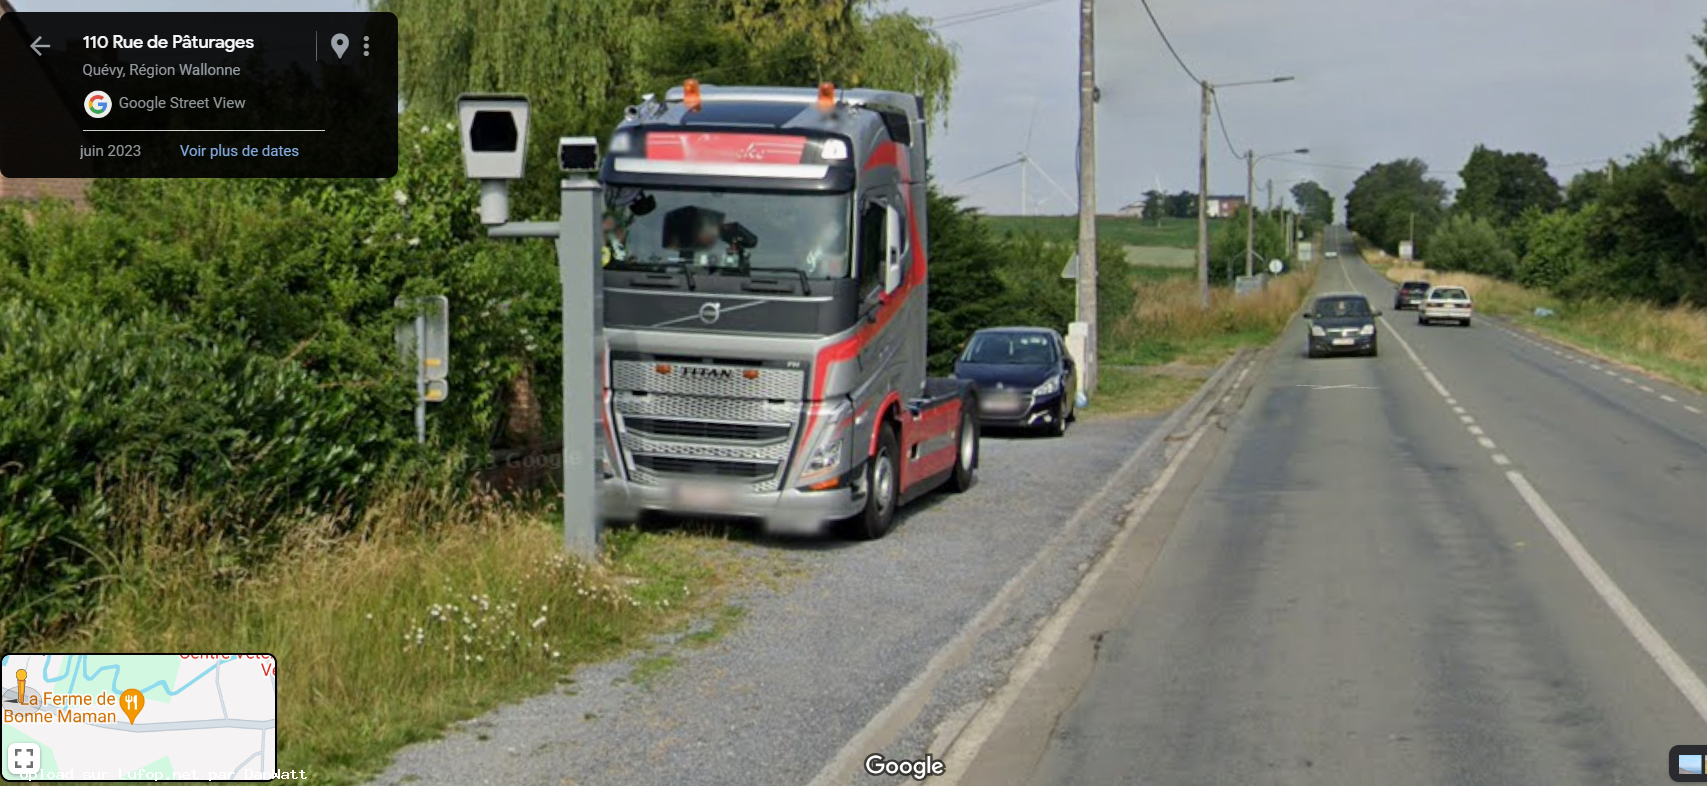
[421, 379]
[1203, 202]
[1250, 208]
[583, 369]
[1087, 294]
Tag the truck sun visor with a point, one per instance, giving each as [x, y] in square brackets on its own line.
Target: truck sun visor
[725, 148]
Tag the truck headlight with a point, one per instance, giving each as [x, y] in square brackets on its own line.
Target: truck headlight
[829, 456]
[1048, 388]
[1316, 330]
[826, 458]
[1368, 330]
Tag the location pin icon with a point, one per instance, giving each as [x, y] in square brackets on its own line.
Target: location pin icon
[131, 702]
[339, 44]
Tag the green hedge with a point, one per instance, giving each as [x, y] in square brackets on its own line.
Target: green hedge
[92, 403]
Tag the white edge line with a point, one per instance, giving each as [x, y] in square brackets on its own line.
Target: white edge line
[1667, 399]
[1486, 443]
[1696, 410]
[978, 730]
[1500, 459]
[1674, 666]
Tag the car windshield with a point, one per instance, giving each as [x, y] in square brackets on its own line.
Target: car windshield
[1342, 307]
[728, 231]
[1010, 349]
[1450, 294]
[1416, 286]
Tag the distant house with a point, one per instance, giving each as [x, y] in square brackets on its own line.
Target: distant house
[1134, 210]
[1224, 206]
[57, 130]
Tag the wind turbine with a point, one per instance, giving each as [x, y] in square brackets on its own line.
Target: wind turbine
[1025, 162]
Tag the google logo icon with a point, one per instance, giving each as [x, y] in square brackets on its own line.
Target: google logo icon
[97, 104]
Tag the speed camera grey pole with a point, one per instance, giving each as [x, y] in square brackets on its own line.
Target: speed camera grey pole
[583, 336]
[494, 147]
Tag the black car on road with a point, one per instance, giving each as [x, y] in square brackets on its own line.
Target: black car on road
[1410, 295]
[1341, 323]
[1025, 378]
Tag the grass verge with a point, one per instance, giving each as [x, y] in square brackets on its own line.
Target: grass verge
[1156, 358]
[1666, 342]
[436, 609]
[1131, 392]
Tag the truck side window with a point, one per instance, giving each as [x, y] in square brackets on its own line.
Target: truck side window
[872, 242]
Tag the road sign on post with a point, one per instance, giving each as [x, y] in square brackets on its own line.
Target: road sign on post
[1072, 268]
[1276, 266]
[425, 342]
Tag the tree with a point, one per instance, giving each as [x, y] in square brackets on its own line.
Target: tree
[1386, 199]
[1315, 205]
[1227, 247]
[1553, 246]
[1182, 205]
[1499, 186]
[583, 61]
[1154, 204]
[1314, 202]
[1472, 245]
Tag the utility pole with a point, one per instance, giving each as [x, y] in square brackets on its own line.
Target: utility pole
[1269, 189]
[1250, 208]
[1203, 200]
[1087, 281]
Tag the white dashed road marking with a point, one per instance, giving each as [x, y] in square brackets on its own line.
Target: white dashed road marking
[1673, 665]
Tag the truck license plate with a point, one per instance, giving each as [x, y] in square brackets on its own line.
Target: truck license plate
[704, 496]
[1343, 342]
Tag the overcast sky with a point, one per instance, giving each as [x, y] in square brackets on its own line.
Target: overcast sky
[1578, 81]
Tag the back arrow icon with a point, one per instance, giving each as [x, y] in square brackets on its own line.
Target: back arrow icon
[38, 46]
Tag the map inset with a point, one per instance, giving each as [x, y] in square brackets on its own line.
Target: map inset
[138, 717]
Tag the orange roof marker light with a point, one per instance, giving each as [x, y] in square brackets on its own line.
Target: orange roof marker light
[826, 96]
[690, 94]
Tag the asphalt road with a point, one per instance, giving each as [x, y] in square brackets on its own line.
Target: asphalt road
[818, 665]
[1387, 575]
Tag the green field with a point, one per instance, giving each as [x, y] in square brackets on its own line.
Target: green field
[1172, 232]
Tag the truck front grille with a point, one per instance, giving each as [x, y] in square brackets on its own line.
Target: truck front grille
[709, 430]
[665, 437]
[718, 468]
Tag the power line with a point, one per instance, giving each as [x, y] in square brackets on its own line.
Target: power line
[1321, 164]
[986, 13]
[1169, 44]
[1216, 100]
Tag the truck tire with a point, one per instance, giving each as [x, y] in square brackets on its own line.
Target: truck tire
[882, 488]
[965, 455]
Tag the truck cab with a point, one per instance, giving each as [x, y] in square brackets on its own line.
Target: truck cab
[765, 281]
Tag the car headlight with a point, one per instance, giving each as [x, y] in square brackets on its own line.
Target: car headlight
[1048, 388]
[1316, 330]
[1368, 330]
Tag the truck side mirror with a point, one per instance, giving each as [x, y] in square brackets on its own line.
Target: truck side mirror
[892, 252]
[494, 147]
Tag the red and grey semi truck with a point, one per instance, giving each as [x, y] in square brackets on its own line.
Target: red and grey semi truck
[765, 280]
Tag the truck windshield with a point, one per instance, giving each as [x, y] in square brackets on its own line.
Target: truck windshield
[717, 231]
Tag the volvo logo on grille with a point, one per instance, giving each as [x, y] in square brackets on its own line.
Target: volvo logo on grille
[710, 373]
[710, 312]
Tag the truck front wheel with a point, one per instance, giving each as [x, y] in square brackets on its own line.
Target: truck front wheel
[966, 455]
[882, 489]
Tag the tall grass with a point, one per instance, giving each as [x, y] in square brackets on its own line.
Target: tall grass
[433, 607]
[1170, 325]
[1669, 342]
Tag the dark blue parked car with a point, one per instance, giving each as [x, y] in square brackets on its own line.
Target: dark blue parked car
[1025, 378]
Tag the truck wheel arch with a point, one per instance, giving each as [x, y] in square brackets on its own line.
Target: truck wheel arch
[888, 412]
